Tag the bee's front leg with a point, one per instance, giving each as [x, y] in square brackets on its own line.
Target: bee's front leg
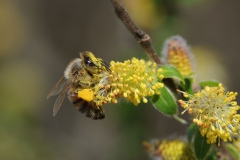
[86, 84]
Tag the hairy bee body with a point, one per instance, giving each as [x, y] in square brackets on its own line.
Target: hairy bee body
[81, 73]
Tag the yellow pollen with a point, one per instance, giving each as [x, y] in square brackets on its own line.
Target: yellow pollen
[160, 70]
[161, 76]
[86, 94]
[145, 100]
[114, 101]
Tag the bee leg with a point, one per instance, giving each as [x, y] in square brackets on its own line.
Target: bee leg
[86, 84]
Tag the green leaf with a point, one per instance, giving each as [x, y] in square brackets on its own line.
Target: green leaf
[187, 85]
[192, 130]
[171, 72]
[201, 147]
[233, 150]
[212, 154]
[208, 83]
[165, 102]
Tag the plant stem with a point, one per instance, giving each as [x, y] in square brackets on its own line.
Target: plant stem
[142, 38]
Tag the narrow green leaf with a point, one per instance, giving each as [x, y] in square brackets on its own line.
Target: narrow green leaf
[165, 102]
[208, 83]
[201, 147]
[192, 130]
[171, 72]
[233, 150]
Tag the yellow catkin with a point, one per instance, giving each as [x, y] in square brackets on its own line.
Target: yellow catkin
[177, 53]
[132, 79]
[215, 112]
[169, 149]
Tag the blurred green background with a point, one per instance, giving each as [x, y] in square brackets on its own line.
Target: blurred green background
[39, 37]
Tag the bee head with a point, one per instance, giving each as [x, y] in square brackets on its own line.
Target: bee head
[90, 62]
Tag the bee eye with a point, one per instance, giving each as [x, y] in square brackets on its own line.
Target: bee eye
[88, 62]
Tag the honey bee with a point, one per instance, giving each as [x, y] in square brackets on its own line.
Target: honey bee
[81, 73]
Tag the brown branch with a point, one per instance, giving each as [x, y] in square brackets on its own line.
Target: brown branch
[142, 38]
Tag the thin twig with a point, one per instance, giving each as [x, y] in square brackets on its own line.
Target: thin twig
[142, 38]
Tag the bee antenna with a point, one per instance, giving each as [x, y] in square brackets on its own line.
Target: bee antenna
[106, 65]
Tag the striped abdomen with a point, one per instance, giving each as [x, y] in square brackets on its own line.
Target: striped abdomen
[89, 108]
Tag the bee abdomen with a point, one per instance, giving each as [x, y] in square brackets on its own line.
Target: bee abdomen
[89, 108]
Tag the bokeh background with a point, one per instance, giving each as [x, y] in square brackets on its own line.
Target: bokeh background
[39, 37]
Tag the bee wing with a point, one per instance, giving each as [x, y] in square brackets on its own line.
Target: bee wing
[58, 87]
[61, 98]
